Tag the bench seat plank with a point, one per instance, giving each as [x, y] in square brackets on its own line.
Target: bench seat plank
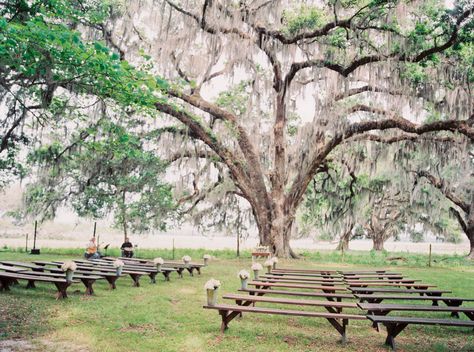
[302, 302]
[371, 298]
[329, 296]
[259, 284]
[285, 280]
[427, 292]
[413, 307]
[302, 278]
[381, 283]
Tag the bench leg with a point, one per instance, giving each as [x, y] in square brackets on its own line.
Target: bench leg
[341, 328]
[30, 284]
[190, 271]
[393, 329]
[136, 280]
[227, 317]
[88, 284]
[111, 280]
[198, 269]
[153, 277]
[62, 287]
[180, 272]
[5, 284]
[166, 274]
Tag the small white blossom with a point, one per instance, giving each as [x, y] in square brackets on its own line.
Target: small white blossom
[268, 263]
[118, 263]
[275, 259]
[186, 259]
[158, 261]
[257, 266]
[206, 256]
[69, 265]
[212, 284]
[244, 274]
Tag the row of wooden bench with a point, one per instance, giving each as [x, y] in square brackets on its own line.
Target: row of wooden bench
[88, 272]
[336, 286]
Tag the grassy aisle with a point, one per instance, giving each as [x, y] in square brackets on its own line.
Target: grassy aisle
[168, 316]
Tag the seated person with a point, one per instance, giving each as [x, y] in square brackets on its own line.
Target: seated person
[127, 248]
[91, 250]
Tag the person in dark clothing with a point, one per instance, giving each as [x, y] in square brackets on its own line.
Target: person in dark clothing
[127, 248]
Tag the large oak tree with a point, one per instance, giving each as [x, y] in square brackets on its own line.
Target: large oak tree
[370, 69]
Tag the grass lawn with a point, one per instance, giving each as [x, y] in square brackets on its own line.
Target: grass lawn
[168, 316]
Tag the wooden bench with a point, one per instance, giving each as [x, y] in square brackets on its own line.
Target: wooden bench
[338, 297]
[31, 266]
[135, 275]
[307, 271]
[149, 267]
[395, 325]
[338, 320]
[12, 269]
[393, 281]
[323, 276]
[331, 307]
[302, 278]
[189, 267]
[111, 277]
[380, 283]
[7, 278]
[146, 263]
[449, 301]
[324, 288]
[365, 272]
[152, 271]
[315, 273]
[373, 276]
[368, 290]
[87, 280]
[384, 309]
[318, 282]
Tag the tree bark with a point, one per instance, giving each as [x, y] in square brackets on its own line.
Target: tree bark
[343, 244]
[471, 241]
[378, 242]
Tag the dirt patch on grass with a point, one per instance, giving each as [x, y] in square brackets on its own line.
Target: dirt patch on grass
[16, 345]
[139, 328]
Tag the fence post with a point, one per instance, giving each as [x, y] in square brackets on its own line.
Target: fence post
[429, 263]
[173, 248]
[238, 245]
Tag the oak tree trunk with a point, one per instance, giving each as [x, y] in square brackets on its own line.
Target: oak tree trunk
[470, 235]
[378, 242]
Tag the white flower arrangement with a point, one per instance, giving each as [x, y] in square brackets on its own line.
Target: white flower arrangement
[212, 284]
[268, 263]
[206, 256]
[158, 261]
[69, 266]
[186, 259]
[244, 274]
[257, 266]
[118, 263]
[262, 249]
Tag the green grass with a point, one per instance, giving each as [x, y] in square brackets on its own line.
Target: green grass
[168, 316]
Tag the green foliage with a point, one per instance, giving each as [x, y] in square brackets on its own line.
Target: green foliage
[236, 98]
[111, 171]
[302, 18]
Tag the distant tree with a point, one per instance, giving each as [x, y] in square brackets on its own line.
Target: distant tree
[108, 170]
